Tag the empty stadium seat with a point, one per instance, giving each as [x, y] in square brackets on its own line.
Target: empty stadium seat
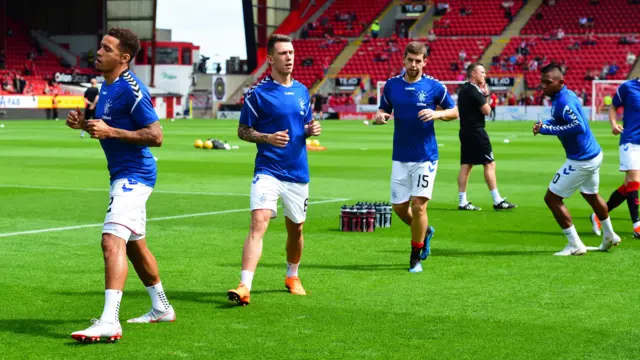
[487, 17]
[365, 10]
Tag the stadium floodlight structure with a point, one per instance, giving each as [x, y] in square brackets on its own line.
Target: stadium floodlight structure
[600, 89]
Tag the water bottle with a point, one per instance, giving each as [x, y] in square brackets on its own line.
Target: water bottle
[371, 218]
[362, 217]
[344, 218]
[355, 222]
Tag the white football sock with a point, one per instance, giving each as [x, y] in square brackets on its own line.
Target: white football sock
[158, 298]
[462, 198]
[292, 269]
[246, 278]
[572, 236]
[495, 194]
[607, 228]
[111, 312]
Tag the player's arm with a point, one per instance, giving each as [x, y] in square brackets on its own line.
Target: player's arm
[95, 101]
[386, 107]
[248, 119]
[448, 112]
[618, 101]
[75, 119]
[573, 123]
[150, 135]
[311, 127]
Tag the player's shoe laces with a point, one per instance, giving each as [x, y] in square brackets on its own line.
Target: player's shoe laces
[241, 295]
[426, 248]
[572, 249]
[415, 266]
[100, 329]
[609, 242]
[596, 227]
[155, 316]
[504, 205]
[294, 285]
[469, 207]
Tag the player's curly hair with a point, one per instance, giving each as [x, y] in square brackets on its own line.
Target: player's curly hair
[129, 42]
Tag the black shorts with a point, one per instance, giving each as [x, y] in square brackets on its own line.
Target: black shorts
[317, 108]
[89, 114]
[475, 147]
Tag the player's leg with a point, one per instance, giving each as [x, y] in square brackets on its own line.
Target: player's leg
[423, 176]
[632, 179]
[463, 180]
[265, 191]
[295, 200]
[589, 191]
[566, 181]
[401, 191]
[146, 267]
[115, 234]
[468, 157]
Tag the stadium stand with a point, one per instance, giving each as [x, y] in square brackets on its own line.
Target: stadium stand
[444, 53]
[317, 53]
[23, 53]
[607, 16]
[478, 17]
[347, 18]
[586, 58]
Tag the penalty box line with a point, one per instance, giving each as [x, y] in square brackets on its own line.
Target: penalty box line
[172, 192]
[162, 218]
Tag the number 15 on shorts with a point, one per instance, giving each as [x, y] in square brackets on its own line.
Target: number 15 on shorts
[423, 181]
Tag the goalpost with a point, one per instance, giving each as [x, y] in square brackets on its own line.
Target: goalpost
[599, 89]
[451, 87]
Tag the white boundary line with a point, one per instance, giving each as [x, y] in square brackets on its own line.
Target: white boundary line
[154, 191]
[29, 232]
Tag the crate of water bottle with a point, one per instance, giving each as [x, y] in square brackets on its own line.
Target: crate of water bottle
[365, 216]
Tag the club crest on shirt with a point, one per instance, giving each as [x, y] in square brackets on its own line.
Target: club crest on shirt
[107, 107]
[302, 107]
[422, 97]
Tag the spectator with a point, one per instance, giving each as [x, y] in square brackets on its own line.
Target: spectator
[604, 72]
[9, 32]
[307, 62]
[613, 69]
[495, 60]
[533, 65]
[431, 36]
[464, 11]
[454, 66]
[402, 31]
[634, 2]
[508, 14]
[628, 40]
[590, 38]
[3, 59]
[462, 55]
[375, 29]
[575, 46]
[441, 8]
[589, 75]
[393, 48]
[594, 2]
[511, 98]
[325, 65]
[631, 58]
[560, 34]
[366, 38]
[539, 16]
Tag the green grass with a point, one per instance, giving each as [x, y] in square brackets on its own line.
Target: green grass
[490, 290]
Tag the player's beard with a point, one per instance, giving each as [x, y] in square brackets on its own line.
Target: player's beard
[413, 74]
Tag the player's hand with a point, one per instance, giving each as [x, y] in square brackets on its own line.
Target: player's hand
[536, 128]
[98, 129]
[279, 139]
[75, 119]
[617, 129]
[485, 89]
[382, 118]
[428, 115]
[314, 128]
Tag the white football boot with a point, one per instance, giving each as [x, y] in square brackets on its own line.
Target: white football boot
[609, 242]
[572, 249]
[155, 316]
[100, 329]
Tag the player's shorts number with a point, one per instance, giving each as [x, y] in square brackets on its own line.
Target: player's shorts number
[306, 203]
[423, 181]
[110, 202]
[556, 178]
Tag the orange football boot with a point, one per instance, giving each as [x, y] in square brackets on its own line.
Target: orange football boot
[241, 295]
[295, 287]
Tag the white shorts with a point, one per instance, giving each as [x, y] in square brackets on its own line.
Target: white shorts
[574, 175]
[127, 212]
[265, 191]
[629, 157]
[411, 179]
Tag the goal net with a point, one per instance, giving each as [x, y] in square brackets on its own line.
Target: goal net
[452, 87]
[600, 89]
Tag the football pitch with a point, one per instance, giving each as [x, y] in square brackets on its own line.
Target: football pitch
[490, 289]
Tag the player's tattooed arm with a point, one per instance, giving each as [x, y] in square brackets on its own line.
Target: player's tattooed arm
[249, 134]
[151, 135]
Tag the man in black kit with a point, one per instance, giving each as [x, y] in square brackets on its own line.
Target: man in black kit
[475, 147]
[90, 100]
